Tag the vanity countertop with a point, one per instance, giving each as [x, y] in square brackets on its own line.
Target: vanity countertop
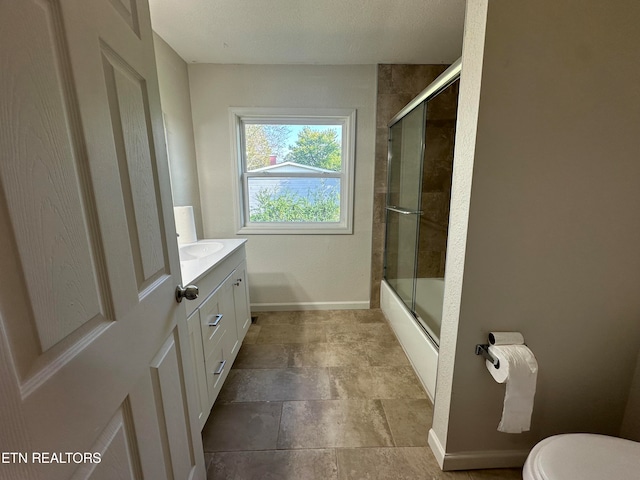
[197, 259]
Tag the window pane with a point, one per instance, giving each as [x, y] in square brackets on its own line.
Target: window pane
[268, 146]
[294, 199]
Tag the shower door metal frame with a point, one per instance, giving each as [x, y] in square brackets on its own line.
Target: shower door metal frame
[444, 80]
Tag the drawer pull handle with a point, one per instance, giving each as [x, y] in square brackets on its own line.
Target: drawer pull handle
[216, 321]
[220, 368]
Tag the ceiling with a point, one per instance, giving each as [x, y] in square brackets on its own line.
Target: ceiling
[328, 32]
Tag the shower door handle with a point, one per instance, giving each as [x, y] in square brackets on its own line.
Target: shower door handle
[404, 211]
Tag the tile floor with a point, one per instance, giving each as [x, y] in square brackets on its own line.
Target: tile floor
[326, 395]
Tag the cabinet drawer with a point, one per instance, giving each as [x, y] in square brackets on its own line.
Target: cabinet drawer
[213, 324]
[216, 314]
[217, 365]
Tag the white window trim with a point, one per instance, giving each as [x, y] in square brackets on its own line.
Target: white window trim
[293, 116]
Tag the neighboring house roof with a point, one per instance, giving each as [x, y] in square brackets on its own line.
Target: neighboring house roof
[292, 167]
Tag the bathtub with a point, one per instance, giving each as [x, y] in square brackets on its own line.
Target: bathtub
[415, 334]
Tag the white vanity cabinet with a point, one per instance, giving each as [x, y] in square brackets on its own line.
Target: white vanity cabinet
[218, 321]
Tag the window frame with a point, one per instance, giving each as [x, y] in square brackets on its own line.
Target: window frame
[294, 116]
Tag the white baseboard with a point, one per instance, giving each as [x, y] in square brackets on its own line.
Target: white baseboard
[436, 447]
[281, 307]
[475, 460]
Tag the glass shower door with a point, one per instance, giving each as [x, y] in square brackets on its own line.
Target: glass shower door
[437, 174]
[406, 150]
[421, 146]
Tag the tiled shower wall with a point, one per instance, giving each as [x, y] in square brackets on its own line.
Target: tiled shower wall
[397, 85]
[436, 182]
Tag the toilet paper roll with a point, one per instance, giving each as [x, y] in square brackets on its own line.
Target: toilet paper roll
[506, 338]
[185, 224]
[519, 371]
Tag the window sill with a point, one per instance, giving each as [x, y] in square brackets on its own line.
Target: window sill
[307, 229]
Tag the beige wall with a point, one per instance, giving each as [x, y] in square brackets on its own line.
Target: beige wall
[287, 271]
[631, 422]
[176, 107]
[551, 243]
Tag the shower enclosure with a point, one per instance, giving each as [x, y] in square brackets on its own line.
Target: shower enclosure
[421, 141]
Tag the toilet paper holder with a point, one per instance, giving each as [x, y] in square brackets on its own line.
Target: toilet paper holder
[483, 349]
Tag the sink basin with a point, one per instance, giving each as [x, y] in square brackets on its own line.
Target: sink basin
[196, 251]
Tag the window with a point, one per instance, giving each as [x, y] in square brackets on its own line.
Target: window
[295, 170]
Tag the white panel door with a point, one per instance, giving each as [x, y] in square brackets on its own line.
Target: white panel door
[92, 341]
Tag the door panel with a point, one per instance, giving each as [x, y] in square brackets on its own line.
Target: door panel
[128, 10]
[56, 162]
[92, 342]
[165, 368]
[129, 111]
[117, 448]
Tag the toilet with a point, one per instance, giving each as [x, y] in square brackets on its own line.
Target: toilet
[583, 456]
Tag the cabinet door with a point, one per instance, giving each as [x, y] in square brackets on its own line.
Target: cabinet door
[241, 300]
[197, 360]
[227, 305]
